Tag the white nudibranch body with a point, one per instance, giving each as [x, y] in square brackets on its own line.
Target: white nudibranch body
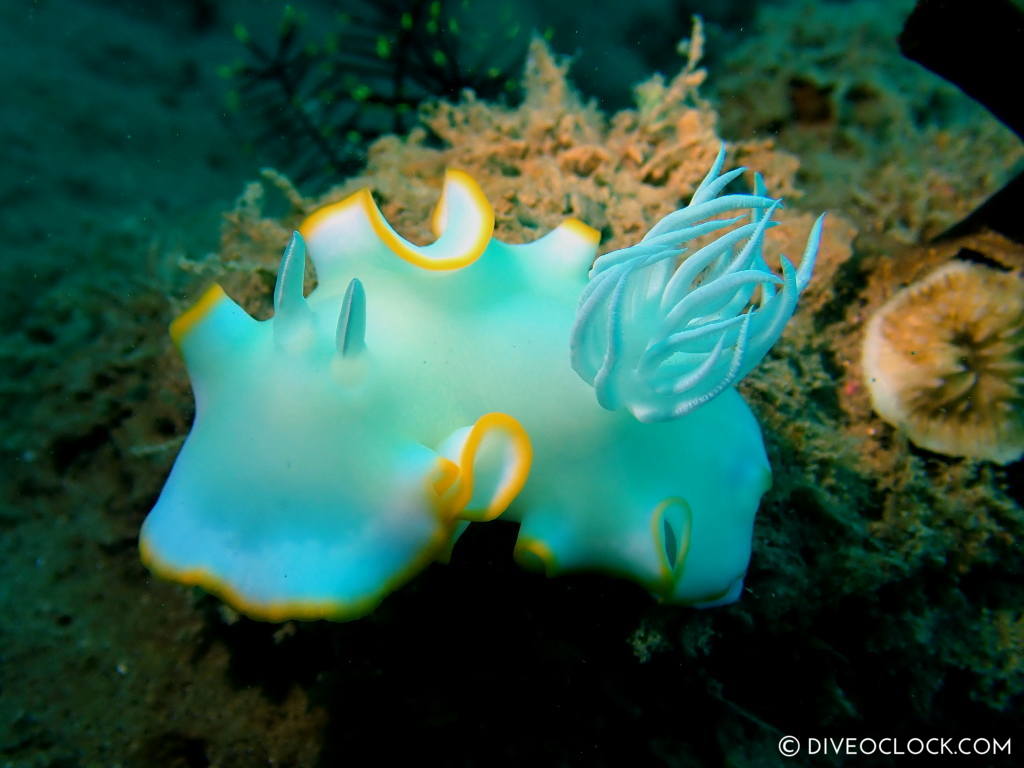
[343, 445]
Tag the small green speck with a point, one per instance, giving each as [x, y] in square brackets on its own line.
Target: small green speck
[362, 92]
[406, 20]
[241, 33]
[383, 47]
[453, 26]
[439, 57]
[233, 101]
[435, 8]
[290, 18]
[431, 27]
[354, 137]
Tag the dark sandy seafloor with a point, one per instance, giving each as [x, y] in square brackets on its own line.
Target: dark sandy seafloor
[884, 597]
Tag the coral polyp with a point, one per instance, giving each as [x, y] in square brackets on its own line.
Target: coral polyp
[944, 361]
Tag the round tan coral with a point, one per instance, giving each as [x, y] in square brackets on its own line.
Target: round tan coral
[944, 362]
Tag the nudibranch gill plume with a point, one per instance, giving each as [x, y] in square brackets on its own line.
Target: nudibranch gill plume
[344, 444]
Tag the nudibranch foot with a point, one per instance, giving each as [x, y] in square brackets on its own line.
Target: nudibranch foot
[669, 505]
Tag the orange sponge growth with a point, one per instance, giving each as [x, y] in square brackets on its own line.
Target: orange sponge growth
[944, 362]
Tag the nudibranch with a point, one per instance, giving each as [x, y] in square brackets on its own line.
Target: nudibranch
[344, 444]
